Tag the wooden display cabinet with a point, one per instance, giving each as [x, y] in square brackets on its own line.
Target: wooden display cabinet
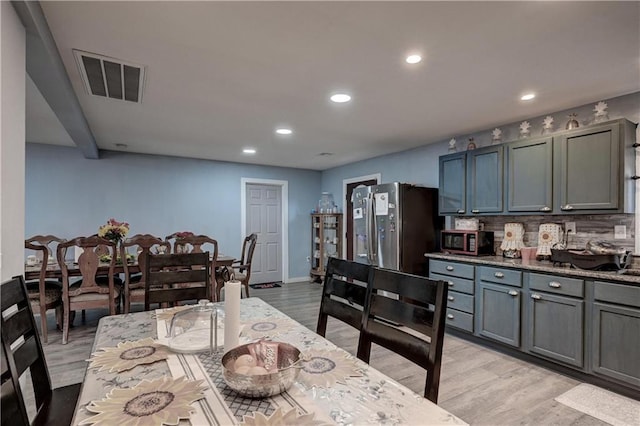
[326, 241]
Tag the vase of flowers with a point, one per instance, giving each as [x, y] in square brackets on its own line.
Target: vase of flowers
[114, 231]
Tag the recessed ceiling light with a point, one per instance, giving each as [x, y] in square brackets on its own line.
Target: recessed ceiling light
[284, 131]
[340, 98]
[413, 59]
[528, 96]
[249, 151]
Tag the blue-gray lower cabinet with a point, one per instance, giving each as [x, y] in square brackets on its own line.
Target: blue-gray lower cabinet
[555, 327]
[616, 332]
[497, 313]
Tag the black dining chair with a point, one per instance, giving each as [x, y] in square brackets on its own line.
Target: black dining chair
[22, 351]
[172, 278]
[343, 294]
[421, 306]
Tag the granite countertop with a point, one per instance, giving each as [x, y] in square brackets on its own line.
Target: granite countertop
[629, 275]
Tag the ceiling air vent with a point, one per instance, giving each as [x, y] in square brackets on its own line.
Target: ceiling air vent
[110, 77]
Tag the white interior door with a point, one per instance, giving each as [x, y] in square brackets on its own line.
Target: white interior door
[264, 217]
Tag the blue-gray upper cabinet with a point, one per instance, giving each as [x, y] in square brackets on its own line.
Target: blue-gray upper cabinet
[529, 171]
[485, 180]
[593, 169]
[452, 188]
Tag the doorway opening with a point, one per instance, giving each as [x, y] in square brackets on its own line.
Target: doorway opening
[348, 185]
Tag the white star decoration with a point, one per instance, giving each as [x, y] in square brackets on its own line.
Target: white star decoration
[547, 122]
[524, 127]
[497, 133]
[601, 108]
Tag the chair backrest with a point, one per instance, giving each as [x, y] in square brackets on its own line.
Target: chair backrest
[248, 247]
[421, 306]
[18, 325]
[194, 243]
[178, 246]
[187, 270]
[143, 244]
[344, 293]
[88, 264]
[43, 246]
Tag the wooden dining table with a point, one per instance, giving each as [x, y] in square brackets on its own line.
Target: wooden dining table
[32, 272]
[133, 373]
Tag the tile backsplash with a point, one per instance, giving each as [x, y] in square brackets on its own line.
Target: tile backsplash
[588, 227]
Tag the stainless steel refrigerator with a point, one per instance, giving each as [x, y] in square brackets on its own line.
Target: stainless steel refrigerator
[394, 224]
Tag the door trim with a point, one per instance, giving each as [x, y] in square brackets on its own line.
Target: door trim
[284, 215]
[345, 182]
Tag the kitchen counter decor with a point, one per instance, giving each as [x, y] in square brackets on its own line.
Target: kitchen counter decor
[513, 240]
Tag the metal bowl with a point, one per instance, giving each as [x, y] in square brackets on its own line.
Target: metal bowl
[278, 358]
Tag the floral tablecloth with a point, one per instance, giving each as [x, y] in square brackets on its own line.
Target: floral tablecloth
[333, 387]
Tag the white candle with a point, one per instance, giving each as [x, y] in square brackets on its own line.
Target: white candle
[232, 291]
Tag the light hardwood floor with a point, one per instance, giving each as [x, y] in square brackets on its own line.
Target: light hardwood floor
[479, 385]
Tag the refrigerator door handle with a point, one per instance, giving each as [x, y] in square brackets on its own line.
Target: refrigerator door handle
[373, 231]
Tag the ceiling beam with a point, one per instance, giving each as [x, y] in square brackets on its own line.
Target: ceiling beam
[45, 67]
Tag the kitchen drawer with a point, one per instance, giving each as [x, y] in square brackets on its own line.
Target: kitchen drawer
[461, 320]
[460, 301]
[500, 276]
[453, 269]
[617, 293]
[559, 285]
[461, 285]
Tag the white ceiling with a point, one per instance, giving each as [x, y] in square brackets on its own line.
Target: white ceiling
[223, 75]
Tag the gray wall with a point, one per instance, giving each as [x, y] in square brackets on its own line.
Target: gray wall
[68, 196]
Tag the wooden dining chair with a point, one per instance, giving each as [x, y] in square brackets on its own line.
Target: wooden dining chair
[44, 294]
[21, 352]
[421, 307]
[134, 283]
[343, 294]
[95, 287]
[241, 268]
[166, 275]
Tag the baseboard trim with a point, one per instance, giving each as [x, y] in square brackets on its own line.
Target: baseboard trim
[297, 280]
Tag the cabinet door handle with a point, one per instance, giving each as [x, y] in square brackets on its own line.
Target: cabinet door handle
[475, 211]
[555, 284]
[536, 296]
[450, 283]
[545, 209]
[568, 207]
[451, 298]
[450, 316]
[499, 275]
[460, 211]
[449, 268]
[513, 293]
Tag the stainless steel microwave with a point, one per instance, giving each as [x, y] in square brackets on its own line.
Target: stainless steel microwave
[473, 243]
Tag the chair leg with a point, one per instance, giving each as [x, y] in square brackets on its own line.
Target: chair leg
[364, 348]
[246, 287]
[84, 316]
[65, 324]
[43, 321]
[59, 315]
